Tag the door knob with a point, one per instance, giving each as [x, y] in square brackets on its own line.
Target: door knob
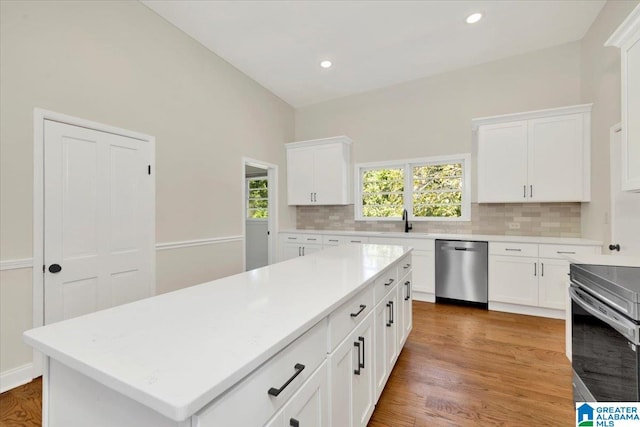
[55, 268]
[615, 247]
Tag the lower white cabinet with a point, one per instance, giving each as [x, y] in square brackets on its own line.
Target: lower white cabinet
[405, 310]
[351, 377]
[386, 338]
[553, 282]
[293, 245]
[309, 406]
[513, 279]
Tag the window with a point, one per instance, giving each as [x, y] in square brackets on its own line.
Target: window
[257, 198]
[429, 189]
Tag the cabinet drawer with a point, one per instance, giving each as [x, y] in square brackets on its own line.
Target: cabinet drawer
[404, 267]
[348, 316]
[562, 251]
[332, 240]
[301, 238]
[513, 249]
[387, 281]
[312, 238]
[303, 355]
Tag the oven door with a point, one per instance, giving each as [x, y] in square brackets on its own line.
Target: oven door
[605, 353]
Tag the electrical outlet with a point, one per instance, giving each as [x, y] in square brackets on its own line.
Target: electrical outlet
[514, 226]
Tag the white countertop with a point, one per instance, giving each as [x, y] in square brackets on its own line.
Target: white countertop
[176, 352]
[619, 260]
[476, 237]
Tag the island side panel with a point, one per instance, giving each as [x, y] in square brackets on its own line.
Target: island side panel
[75, 400]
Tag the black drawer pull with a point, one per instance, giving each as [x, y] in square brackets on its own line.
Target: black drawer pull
[357, 370]
[299, 367]
[408, 285]
[460, 248]
[513, 250]
[390, 307]
[361, 339]
[390, 282]
[294, 423]
[362, 307]
[566, 252]
[407, 266]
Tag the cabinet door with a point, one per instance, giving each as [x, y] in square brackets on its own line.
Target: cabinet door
[553, 282]
[405, 313]
[300, 179]
[309, 249]
[424, 271]
[555, 148]
[310, 405]
[351, 377]
[631, 114]
[513, 280]
[380, 319]
[502, 162]
[331, 171]
[363, 392]
[391, 304]
[290, 250]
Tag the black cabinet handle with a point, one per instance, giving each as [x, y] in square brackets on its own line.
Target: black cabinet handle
[407, 266]
[615, 247]
[390, 307]
[390, 282]
[535, 268]
[294, 423]
[356, 371]
[55, 268]
[392, 316]
[361, 339]
[362, 307]
[542, 269]
[408, 285]
[299, 367]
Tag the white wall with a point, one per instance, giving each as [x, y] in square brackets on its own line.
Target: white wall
[600, 73]
[121, 64]
[432, 116]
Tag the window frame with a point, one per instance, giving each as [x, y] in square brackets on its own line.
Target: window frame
[247, 198]
[408, 164]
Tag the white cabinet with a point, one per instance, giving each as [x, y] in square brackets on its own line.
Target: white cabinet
[405, 310]
[293, 245]
[627, 38]
[513, 279]
[309, 406]
[539, 156]
[351, 377]
[318, 172]
[532, 275]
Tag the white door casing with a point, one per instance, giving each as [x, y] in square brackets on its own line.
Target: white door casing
[625, 205]
[94, 216]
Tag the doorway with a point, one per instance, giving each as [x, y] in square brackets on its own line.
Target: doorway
[259, 212]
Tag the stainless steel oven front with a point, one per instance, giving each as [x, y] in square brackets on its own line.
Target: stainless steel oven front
[604, 349]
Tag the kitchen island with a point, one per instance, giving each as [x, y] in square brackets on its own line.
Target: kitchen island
[315, 337]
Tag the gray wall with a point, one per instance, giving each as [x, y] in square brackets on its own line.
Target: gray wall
[120, 64]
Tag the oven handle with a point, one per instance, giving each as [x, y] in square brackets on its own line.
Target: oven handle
[628, 329]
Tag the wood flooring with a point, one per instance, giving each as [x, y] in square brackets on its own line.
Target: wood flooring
[460, 367]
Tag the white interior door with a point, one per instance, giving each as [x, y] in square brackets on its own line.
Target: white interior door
[625, 205]
[98, 220]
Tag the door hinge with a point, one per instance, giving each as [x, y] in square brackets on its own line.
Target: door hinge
[149, 169]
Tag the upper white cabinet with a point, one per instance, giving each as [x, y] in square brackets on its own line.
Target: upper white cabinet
[627, 38]
[318, 171]
[537, 156]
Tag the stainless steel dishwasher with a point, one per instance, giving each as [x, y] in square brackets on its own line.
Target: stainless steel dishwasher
[461, 272]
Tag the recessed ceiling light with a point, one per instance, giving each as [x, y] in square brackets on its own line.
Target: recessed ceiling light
[326, 64]
[473, 18]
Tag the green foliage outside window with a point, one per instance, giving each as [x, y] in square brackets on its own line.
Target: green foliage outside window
[258, 199]
[436, 191]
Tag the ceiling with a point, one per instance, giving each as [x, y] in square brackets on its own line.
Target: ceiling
[372, 44]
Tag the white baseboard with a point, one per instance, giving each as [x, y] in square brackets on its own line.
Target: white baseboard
[525, 309]
[423, 296]
[16, 377]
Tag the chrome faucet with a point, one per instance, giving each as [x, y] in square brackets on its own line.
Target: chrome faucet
[405, 218]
